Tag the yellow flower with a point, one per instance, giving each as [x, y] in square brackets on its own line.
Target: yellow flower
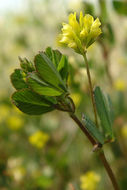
[89, 181]
[15, 122]
[79, 35]
[120, 85]
[39, 139]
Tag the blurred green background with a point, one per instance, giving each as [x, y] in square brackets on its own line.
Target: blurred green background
[50, 152]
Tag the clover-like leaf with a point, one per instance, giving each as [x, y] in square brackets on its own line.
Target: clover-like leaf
[39, 85]
[31, 103]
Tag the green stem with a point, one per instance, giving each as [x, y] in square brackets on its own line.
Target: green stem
[91, 89]
[101, 153]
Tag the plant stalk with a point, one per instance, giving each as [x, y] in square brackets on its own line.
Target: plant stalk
[109, 170]
[83, 128]
[101, 153]
[91, 89]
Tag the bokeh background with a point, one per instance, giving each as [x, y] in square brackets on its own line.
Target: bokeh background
[49, 152]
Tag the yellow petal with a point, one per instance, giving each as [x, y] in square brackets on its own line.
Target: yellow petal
[81, 19]
[74, 23]
[64, 39]
[72, 45]
[83, 33]
[96, 24]
[88, 21]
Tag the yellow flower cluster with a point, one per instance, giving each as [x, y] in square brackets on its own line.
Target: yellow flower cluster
[79, 35]
[39, 139]
[89, 181]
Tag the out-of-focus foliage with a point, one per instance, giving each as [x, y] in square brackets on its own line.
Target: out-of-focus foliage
[49, 152]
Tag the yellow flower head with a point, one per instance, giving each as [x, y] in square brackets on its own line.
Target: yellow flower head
[39, 139]
[89, 181]
[79, 35]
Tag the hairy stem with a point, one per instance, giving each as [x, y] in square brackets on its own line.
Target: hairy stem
[91, 89]
[101, 153]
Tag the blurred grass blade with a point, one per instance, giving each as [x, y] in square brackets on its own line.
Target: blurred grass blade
[103, 112]
[31, 103]
[91, 127]
[120, 7]
[41, 87]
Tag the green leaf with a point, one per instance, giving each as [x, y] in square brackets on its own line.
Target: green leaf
[60, 61]
[91, 127]
[27, 66]
[17, 79]
[88, 8]
[102, 106]
[103, 10]
[110, 107]
[120, 7]
[48, 72]
[63, 67]
[40, 87]
[53, 55]
[31, 103]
